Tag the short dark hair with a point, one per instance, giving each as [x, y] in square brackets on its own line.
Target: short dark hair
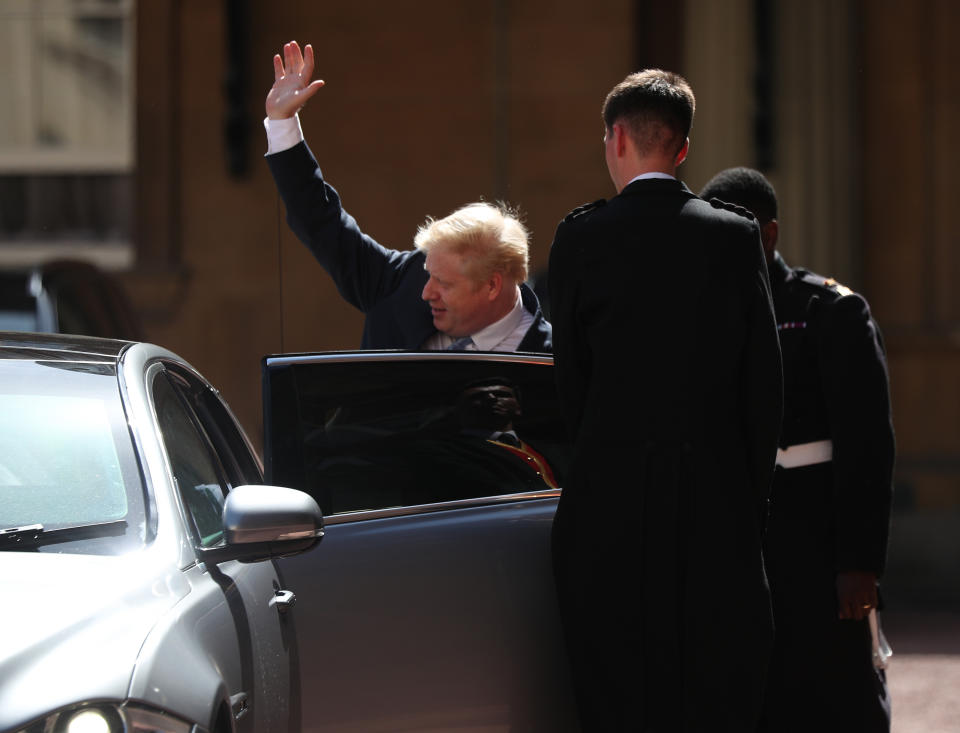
[656, 107]
[744, 187]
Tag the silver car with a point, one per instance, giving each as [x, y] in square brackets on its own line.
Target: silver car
[149, 574]
[136, 535]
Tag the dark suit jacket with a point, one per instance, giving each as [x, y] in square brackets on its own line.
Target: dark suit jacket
[667, 357]
[385, 284]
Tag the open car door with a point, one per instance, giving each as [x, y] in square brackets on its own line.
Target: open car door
[430, 605]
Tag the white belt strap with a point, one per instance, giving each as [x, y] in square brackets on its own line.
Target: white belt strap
[805, 454]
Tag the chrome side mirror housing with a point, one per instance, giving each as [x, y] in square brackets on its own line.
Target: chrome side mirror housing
[263, 522]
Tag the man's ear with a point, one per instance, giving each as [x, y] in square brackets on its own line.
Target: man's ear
[619, 139]
[494, 285]
[682, 155]
[769, 233]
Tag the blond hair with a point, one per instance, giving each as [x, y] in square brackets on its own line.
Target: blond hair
[489, 239]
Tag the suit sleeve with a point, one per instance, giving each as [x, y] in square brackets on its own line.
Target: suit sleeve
[570, 349]
[856, 387]
[363, 270]
[762, 385]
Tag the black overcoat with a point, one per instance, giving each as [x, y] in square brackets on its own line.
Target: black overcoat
[668, 368]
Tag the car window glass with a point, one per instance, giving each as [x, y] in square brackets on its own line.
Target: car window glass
[197, 475]
[66, 456]
[375, 435]
[76, 449]
[232, 448]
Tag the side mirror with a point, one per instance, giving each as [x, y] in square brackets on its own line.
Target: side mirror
[262, 522]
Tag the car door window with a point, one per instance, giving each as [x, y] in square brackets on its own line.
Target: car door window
[362, 435]
[199, 477]
[231, 446]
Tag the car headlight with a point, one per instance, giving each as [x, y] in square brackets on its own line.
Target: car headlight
[110, 718]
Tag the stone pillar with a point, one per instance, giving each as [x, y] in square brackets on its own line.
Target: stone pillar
[816, 144]
[813, 123]
[718, 63]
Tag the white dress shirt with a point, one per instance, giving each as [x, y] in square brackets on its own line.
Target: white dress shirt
[642, 176]
[282, 134]
[503, 335]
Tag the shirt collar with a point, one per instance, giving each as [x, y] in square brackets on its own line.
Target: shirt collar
[652, 174]
[488, 337]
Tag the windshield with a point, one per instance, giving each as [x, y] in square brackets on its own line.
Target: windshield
[66, 458]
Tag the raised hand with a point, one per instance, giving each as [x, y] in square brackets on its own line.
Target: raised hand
[291, 81]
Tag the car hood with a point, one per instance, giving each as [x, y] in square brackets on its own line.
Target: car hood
[73, 626]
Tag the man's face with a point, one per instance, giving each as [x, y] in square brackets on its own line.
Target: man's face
[492, 406]
[459, 305]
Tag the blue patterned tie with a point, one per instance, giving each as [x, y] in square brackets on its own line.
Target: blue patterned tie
[460, 344]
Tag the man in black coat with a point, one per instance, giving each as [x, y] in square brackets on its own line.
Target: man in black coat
[462, 287]
[830, 503]
[668, 369]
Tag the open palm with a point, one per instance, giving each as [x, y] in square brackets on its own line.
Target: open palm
[291, 81]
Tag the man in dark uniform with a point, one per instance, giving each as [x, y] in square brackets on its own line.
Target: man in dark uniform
[830, 504]
[666, 352]
[462, 288]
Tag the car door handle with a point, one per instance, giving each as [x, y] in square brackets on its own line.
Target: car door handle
[239, 705]
[283, 600]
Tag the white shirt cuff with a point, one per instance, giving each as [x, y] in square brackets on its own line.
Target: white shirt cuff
[282, 134]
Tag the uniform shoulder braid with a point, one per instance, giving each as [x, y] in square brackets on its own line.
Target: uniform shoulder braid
[746, 213]
[822, 283]
[582, 211]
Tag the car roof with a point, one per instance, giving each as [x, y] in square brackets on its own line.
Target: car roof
[60, 347]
